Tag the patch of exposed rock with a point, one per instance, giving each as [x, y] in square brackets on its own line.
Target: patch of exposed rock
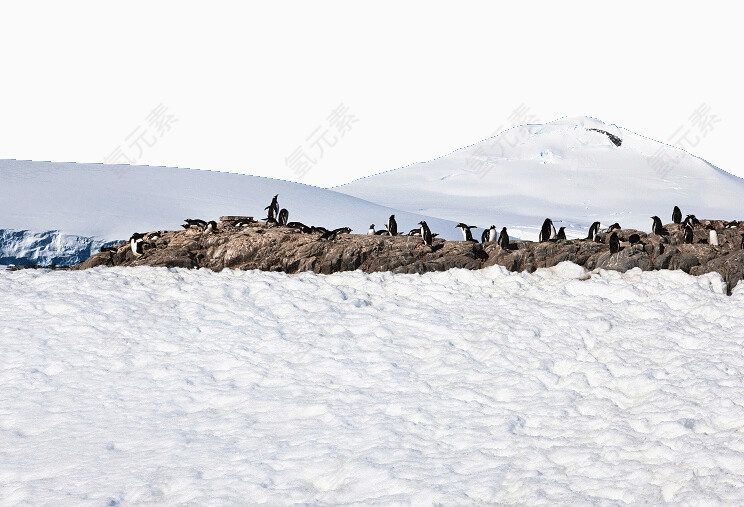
[278, 248]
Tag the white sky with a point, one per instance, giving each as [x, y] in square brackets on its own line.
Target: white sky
[248, 83]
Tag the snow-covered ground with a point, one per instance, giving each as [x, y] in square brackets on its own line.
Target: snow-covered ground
[134, 385]
[563, 171]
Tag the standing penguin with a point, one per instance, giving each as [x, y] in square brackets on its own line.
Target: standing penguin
[136, 243]
[371, 231]
[657, 228]
[392, 226]
[466, 234]
[561, 233]
[676, 215]
[614, 243]
[688, 234]
[283, 217]
[742, 242]
[425, 233]
[548, 231]
[492, 234]
[713, 237]
[273, 208]
[504, 239]
[593, 231]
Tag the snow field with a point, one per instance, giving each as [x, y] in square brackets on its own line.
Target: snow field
[132, 385]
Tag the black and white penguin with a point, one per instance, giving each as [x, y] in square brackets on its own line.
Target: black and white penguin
[692, 220]
[283, 217]
[111, 249]
[593, 231]
[382, 232]
[331, 235]
[273, 208]
[392, 226]
[731, 225]
[547, 232]
[318, 229]
[489, 235]
[657, 227]
[614, 227]
[211, 227]
[195, 222]
[136, 243]
[634, 238]
[742, 242]
[676, 215]
[299, 226]
[561, 233]
[688, 234]
[504, 239]
[371, 231]
[614, 243]
[425, 233]
[466, 234]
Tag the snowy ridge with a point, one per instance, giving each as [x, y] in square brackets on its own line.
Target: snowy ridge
[105, 203]
[461, 387]
[559, 170]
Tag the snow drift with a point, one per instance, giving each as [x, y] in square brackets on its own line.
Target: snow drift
[561, 170]
[179, 386]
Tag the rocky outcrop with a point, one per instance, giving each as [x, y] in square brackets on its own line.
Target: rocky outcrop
[258, 246]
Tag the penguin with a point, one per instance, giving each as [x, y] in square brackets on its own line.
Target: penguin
[713, 237]
[371, 231]
[195, 222]
[742, 242]
[676, 215]
[382, 232]
[489, 235]
[299, 226]
[318, 229]
[466, 234]
[414, 232]
[593, 231]
[731, 225]
[112, 249]
[614, 243]
[504, 239]
[561, 233]
[688, 234]
[634, 238]
[547, 232]
[692, 220]
[273, 208]
[331, 235]
[614, 227]
[392, 226]
[136, 244]
[657, 228]
[271, 221]
[425, 233]
[243, 223]
[152, 236]
[211, 227]
[283, 217]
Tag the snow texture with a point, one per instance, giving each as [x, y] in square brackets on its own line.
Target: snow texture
[559, 170]
[134, 385]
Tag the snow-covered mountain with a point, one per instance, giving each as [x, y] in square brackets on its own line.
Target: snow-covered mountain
[86, 204]
[560, 170]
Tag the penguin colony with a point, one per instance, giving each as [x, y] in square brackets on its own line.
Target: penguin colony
[276, 217]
